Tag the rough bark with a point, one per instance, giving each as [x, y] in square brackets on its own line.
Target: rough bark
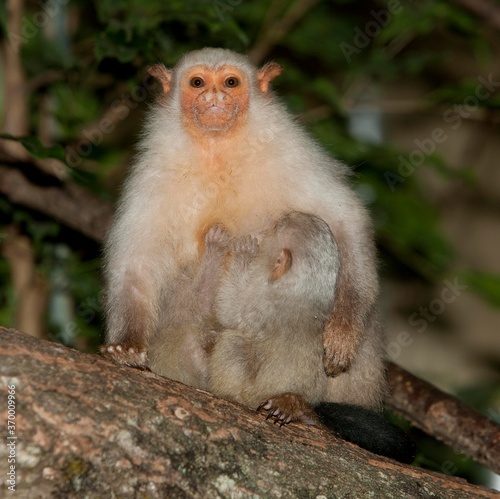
[445, 418]
[88, 428]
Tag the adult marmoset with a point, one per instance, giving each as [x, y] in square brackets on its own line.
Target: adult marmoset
[219, 149]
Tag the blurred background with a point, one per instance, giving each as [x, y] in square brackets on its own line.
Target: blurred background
[405, 92]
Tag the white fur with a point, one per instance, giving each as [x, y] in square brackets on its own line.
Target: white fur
[269, 166]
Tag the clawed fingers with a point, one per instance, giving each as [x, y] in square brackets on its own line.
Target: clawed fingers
[126, 354]
[265, 405]
[217, 236]
[280, 417]
[246, 245]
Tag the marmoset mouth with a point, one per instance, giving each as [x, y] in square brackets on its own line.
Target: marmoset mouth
[216, 110]
[213, 108]
[214, 118]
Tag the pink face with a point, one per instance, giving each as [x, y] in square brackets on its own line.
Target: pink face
[214, 99]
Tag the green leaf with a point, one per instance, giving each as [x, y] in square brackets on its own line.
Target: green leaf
[115, 44]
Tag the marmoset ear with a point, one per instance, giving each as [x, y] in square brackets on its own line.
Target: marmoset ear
[267, 74]
[282, 264]
[161, 73]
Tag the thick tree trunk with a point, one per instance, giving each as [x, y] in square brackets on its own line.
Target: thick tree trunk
[78, 426]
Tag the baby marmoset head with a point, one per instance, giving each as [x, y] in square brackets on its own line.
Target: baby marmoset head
[302, 246]
[288, 277]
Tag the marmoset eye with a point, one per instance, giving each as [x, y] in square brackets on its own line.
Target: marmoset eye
[197, 82]
[231, 82]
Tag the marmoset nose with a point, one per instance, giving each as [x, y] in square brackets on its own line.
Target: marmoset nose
[214, 94]
[209, 95]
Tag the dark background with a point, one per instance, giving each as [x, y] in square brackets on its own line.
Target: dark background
[404, 92]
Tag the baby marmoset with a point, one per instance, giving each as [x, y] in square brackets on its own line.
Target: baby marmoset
[272, 304]
[268, 310]
[261, 320]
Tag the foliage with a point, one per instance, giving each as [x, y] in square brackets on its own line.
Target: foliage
[95, 63]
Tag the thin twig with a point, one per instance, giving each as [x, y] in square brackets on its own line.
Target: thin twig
[489, 11]
[276, 31]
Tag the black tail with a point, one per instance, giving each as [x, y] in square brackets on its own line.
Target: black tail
[368, 430]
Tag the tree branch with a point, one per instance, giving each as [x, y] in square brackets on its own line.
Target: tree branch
[272, 34]
[487, 10]
[444, 417]
[64, 201]
[87, 427]
[15, 119]
[28, 283]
